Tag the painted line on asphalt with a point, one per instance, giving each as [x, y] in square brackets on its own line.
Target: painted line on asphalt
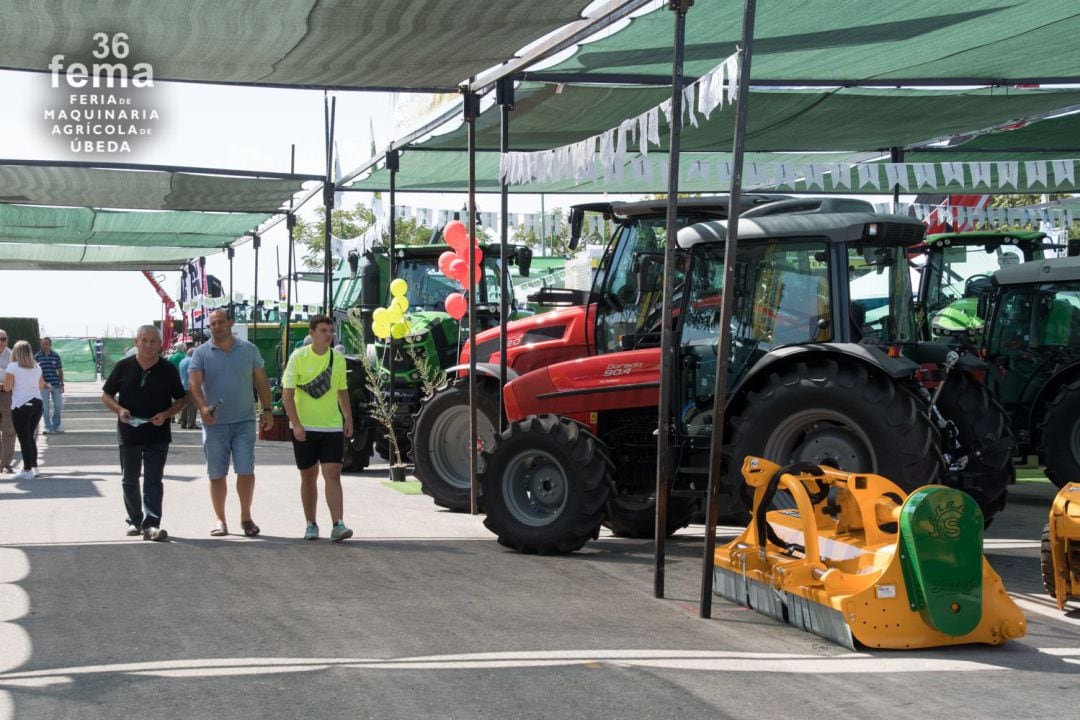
[1043, 605]
[710, 661]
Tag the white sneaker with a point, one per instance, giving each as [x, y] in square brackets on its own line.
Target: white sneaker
[34, 472]
[23, 475]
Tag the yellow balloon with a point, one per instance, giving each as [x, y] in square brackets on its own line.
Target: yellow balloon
[401, 303]
[379, 315]
[393, 314]
[399, 330]
[399, 287]
[381, 329]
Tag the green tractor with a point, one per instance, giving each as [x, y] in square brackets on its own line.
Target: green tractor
[957, 270]
[1032, 344]
[434, 340]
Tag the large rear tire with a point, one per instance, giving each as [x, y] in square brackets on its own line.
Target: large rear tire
[634, 516]
[1060, 446]
[545, 485]
[440, 442]
[983, 435]
[836, 413]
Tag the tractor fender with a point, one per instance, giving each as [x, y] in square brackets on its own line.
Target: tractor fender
[869, 355]
[1046, 393]
[484, 368]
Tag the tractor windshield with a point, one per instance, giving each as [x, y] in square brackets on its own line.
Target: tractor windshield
[781, 297]
[954, 271]
[882, 300]
[629, 283]
[428, 287]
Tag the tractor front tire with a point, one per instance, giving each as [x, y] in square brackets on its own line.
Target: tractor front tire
[981, 425]
[545, 485]
[358, 450]
[1060, 446]
[836, 413]
[440, 442]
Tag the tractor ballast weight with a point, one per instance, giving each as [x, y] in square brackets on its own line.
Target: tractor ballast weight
[863, 563]
[1061, 547]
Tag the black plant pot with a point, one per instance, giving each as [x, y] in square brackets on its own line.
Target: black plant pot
[397, 472]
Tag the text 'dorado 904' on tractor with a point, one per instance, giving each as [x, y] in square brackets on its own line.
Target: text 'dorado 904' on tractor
[625, 291]
[810, 381]
[434, 339]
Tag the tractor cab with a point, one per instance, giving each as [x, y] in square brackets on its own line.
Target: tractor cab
[1032, 345]
[956, 269]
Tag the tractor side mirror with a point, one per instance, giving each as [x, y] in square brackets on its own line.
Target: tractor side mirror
[524, 260]
[577, 222]
[354, 261]
[649, 271]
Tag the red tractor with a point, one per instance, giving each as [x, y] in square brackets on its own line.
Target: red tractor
[625, 297]
[809, 381]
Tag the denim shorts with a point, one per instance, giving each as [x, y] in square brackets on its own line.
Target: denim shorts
[229, 440]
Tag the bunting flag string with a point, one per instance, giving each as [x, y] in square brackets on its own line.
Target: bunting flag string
[581, 160]
[1058, 175]
[1058, 217]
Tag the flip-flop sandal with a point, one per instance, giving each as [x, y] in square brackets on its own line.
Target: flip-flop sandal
[219, 530]
[250, 528]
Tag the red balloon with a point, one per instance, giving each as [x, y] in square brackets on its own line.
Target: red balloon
[455, 235]
[444, 262]
[459, 270]
[456, 305]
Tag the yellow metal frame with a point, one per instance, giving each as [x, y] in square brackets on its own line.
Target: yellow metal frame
[850, 571]
[1064, 535]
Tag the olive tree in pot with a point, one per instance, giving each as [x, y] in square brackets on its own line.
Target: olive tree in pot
[379, 405]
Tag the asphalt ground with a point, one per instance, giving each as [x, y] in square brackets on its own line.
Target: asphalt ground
[422, 614]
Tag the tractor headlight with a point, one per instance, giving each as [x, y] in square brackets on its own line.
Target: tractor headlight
[414, 338]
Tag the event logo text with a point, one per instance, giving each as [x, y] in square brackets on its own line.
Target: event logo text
[103, 116]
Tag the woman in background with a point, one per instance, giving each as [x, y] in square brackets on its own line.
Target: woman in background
[25, 383]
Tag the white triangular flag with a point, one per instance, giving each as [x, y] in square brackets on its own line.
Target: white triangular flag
[841, 175]
[723, 174]
[897, 174]
[953, 172]
[869, 175]
[925, 174]
[980, 173]
[1064, 172]
[1008, 174]
[1035, 173]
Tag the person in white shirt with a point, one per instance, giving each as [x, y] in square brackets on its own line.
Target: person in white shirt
[25, 383]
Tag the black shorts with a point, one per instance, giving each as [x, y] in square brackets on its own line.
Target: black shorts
[320, 447]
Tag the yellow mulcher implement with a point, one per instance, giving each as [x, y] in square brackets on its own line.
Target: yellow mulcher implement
[1061, 547]
[859, 561]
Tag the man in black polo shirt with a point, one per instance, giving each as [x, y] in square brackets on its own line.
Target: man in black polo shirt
[145, 392]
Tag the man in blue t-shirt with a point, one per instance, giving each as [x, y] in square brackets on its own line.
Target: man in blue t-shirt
[220, 380]
[52, 372]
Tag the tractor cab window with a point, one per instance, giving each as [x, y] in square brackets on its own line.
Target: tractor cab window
[1035, 328]
[629, 286]
[960, 272]
[882, 300]
[428, 287]
[781, 297]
